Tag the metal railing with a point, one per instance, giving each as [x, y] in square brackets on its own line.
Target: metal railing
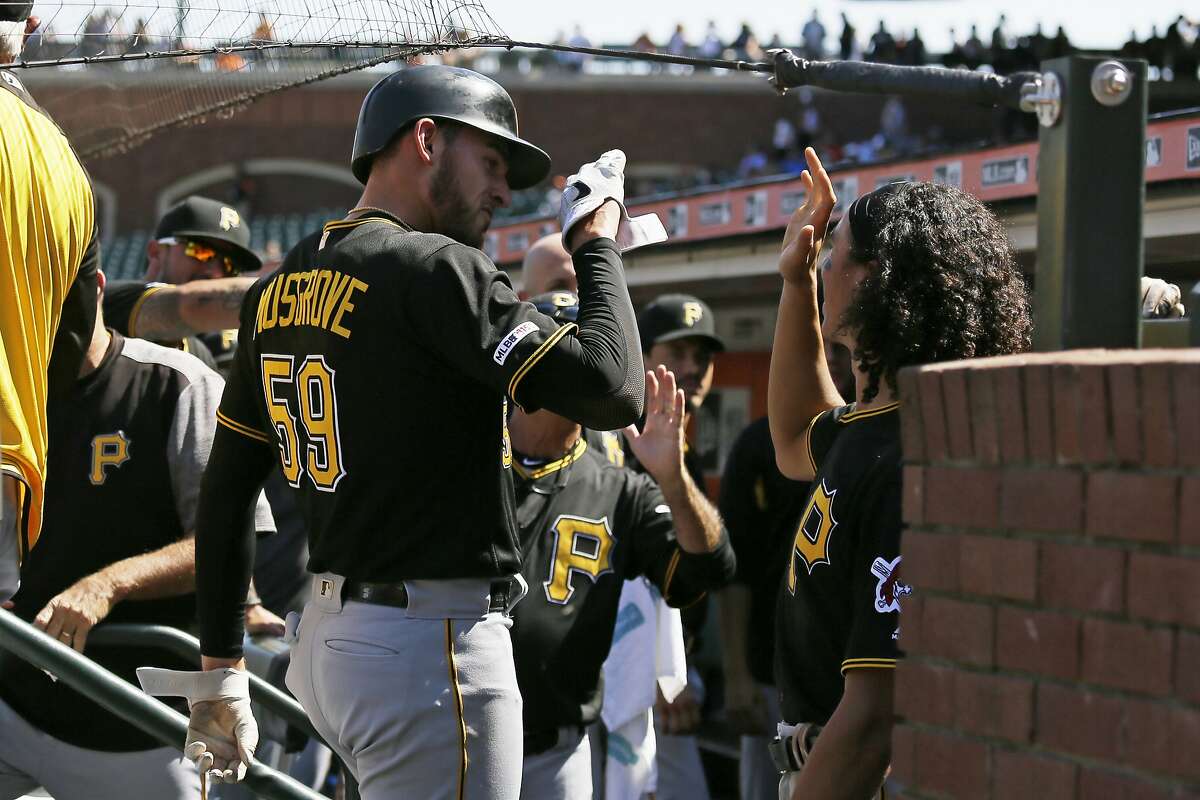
[129, 703]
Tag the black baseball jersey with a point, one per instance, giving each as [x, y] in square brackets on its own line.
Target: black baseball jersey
[839, 600]
[123, 302]
[760, 508]
[127, 449]
[378, 361]
[586, 527]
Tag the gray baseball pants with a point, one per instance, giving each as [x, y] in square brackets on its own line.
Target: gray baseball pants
[564, 772]
[421, 702]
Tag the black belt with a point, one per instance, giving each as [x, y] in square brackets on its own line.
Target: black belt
[396, 595]
[541, 741]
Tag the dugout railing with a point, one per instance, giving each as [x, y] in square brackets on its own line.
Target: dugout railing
[132, 705]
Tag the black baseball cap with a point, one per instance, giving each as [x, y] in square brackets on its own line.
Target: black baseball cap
[677, 316]
[207, 220]
[15, 11]
[560, 306]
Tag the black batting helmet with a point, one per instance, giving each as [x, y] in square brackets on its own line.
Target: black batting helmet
[450, 93]
[562, 307]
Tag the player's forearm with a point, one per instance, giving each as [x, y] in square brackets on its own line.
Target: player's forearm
[799, 385]
[850, 758]
[595, 377]
[173, 312]
[734, 617]
[225, 540]
[698, 527]
[167, 572]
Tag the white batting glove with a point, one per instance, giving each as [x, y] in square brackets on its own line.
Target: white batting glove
[1161, 299]
[591, 187]
[222, 733]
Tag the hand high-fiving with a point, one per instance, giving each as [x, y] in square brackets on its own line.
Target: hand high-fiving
[807, 228]
[659, 445]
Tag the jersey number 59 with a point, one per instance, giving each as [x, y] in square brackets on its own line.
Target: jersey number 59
[312, 388]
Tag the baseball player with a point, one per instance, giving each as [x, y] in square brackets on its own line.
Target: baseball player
[49, 255]
[376, 367]
[918, 273]
[679, 332]
[196, 240]
[128, 444]
[587, 526]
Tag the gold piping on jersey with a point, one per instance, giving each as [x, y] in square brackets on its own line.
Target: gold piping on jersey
[868, 663]
[136, 311]
[338, 224]
[244, 430]
[458, 708]
[851, 416]
[532, 361]
[553, 466]
[812, 462]
[671, 567]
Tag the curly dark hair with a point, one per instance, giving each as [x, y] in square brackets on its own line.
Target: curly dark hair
[947, 285]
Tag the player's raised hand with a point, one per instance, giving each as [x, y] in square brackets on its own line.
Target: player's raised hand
[807, 228]
[659, 445]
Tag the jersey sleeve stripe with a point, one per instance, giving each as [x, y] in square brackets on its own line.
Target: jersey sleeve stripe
[808, 441]
[671, 567]
[532, 361]
[137, 308]
[245, 430]
[868, 663]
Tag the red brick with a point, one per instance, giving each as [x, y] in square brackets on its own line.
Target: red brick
[1187, 667]
[925, 693]
[1038, 641]
[1147, 735]
[996, 567]
[911, 618]
[1086, 578]
[951, 766]
[1164, 588]
[1158, 430]
[985, 428]
[912, 436]
[994, 705]
[1127, 656]
[1098, 784]
[1022, 776]
[1067, 448]
[958, 631]
[1095, 436]
[933, 415]
[962, 496]
[1126, 416]
[1080, 722]
[958, 414]
[1042, 500]
[1010, 405]
[914, 495]
[1185, 399]
[930, 560]
[1185, 743]
[1039, 405]
[1189, 511]
[1129, 505]
[904, 742]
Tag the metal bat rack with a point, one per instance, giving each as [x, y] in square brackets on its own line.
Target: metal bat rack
[1091, 189]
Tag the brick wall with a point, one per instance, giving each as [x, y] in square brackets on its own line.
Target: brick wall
[1053, 504]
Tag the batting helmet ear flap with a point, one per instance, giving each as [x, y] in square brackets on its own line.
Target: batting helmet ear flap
[443, 93]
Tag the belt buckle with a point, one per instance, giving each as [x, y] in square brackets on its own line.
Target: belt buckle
[326, 588]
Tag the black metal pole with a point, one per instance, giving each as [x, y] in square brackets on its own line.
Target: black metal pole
[1091, 194]
[126, 701]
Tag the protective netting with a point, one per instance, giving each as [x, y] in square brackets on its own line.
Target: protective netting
[152, 64]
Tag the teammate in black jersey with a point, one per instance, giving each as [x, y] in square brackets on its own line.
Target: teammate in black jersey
[918, 273]
[376, 366]
[128, 443]
[587, 526]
